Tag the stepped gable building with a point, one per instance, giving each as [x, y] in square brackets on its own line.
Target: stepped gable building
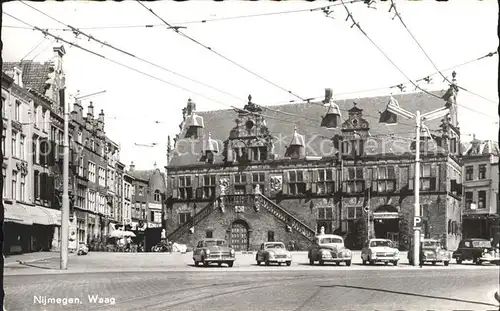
[147, 214]
[253, 174]
[481, 199]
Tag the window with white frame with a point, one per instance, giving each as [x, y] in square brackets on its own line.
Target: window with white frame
[481, 199]
[326, 181]
[184, 217]
[354, 212]
[4, 108]
[92, 172]
[427, 182]
[4, 173]
[102, 177]
[91, 201]
[185, 187]
[259, 179]
[22, 192]
[482, 171]
[14, 185]
[45, 124]
[35, 116]
[22, 147]
[157, 196]
[14, 144]
[34, 151]
[383, 179]
[80, 167]
[209, 187]
[17, 111]
[354, 180]
[4, 138]
[325, 219]
[296, 182]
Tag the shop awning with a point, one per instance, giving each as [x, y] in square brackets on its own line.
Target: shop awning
[28, 215]
[17, 214]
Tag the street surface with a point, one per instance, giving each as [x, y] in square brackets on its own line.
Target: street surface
[149, 281]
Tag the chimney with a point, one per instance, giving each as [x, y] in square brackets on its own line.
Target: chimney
[18, 76]
[132, 166]
[100, 120]
[78, 110]
[90, 111]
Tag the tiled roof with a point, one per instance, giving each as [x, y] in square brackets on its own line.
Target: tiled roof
[482, 147]
[307, 119]
[155, 180]
[34, 74]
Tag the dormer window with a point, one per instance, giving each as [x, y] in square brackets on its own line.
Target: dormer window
[259, 154]
[210, 148]
[193, 125]
[296, 148]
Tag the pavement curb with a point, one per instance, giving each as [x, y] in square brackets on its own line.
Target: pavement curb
[27, 262]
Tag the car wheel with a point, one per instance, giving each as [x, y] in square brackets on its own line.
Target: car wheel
[321, 262]
[288, 263]
[459, 261]
[311, 262]
[348, 263]
[446, 263]
[338, 263]
[386, 263]
[258, 262]
[230, 264]
[220, 264]
[478, 262]
[434, 263]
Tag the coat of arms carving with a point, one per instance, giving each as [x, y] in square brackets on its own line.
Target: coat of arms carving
[276, 182]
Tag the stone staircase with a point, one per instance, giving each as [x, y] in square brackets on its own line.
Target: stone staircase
[286, 217]
[184, 228]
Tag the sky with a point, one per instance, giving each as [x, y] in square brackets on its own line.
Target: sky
[303, 52]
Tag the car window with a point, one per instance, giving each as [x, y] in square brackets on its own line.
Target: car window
[275, 245]
[381, 244]
[432, 244]
[331, 241]
[215, 243]
[481, 243]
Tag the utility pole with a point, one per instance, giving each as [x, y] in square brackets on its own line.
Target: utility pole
[65, 196]
[416, 186]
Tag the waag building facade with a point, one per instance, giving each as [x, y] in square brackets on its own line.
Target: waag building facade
[281, 173]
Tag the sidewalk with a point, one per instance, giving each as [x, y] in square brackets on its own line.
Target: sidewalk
[13, 260]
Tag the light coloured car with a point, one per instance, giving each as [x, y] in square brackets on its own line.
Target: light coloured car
[210, 251]
[273, 252]
[379, 250]
[329, 248]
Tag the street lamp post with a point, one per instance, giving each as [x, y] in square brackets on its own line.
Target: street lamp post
[394, 108]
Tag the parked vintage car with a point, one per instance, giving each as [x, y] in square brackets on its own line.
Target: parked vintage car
[477, 250]
[210, 251]
[379, 250]
[329, 248]
[431, 251]
[273, 252]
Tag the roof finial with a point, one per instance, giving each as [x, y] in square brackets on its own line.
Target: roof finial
[295, 129]
[249, 98]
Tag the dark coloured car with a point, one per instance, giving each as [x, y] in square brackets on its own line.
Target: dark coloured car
[477, 251]
[431, 251]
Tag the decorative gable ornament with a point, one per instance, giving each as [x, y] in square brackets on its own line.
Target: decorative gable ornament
[193, 124]
[296, 149]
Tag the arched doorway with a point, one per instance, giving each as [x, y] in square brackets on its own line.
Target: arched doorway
[239, 235]
[386, 223]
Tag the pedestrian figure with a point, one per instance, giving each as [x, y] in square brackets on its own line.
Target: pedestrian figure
[421, 255]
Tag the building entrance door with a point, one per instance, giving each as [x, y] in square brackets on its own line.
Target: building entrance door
[239, 236]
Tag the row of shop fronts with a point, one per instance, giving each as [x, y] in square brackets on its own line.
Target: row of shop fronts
[30, 228]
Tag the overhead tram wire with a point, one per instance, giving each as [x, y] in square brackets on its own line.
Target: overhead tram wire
[350, 16]
[113, 61]
[393, 6]
[202, 21]
[33, 49]
[77, 32]
[217, 53]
